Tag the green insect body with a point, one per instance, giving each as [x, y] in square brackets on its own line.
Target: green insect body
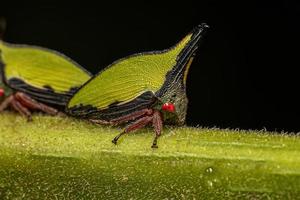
[41, 79]
[144, 88]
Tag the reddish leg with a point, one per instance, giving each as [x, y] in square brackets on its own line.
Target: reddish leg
[13, 102]
[6, 102]
[123, 119]
[132, 116]
[151, 116]
[21, 109]
[99, 121]
[22, 103]
[31, 103]
[157, 123]
[140, 123]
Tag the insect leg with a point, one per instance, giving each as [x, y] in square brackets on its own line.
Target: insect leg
[132, 116]
[21, 109]
[99, 121]
[140, 123]
[6, 103]
[157, 125]
[31, 103]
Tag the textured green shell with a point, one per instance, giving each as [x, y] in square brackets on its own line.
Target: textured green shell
[41, 68]
[139, 81]
[126, 79]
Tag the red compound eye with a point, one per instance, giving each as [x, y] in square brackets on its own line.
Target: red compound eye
[1, 92]
[168, 107]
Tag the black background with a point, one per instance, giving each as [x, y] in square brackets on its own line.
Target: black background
[245, 74]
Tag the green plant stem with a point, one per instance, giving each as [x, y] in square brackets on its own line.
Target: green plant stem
[60, 157]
